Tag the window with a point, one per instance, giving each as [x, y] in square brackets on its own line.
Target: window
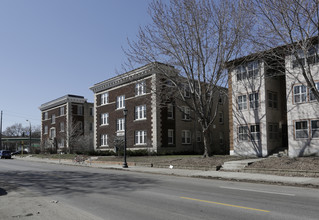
[105, 119]
[186, 137]
[311, 57]
[273, 131]
[140, 112]
[140, 137]
[255, 132]
[242, 102]
[61, 126]
[80, 110]
[221, 118]
[315, 128]
[91, 126]
[170, 136]
[221, 100]
[186, 113]
[241, 73]
[311, 95]
[198, 136]
[103, 139]
[120, 124]
[170, 111]
[46, 129]
[300, 94]
[272, 100]
[46, 116]
[91, 111]
[61, 143]
[61, 110]
[140, 88]
[53, 119]
[80, 125]
[249, 70]
[52, 133]
[301, 128]
[186, 91]
[243, 133]
[104, 98]
[120, 102]
[253, 100]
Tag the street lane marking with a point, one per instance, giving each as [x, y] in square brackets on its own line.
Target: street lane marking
[224, 204]
[261, 191]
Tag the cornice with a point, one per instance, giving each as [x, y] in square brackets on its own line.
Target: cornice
[62, 100]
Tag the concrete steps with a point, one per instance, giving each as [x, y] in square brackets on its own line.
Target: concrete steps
[238, 164]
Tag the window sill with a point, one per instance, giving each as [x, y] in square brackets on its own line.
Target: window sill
[140, 119]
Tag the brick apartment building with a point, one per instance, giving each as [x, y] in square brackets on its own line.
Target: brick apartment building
[154, 121]
[271, 107]
[66, 120]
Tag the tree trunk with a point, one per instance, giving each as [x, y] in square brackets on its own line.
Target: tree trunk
[207, 150]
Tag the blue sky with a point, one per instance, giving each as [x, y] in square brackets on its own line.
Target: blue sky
[50, 48]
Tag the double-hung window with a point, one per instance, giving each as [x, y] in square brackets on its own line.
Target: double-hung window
[104, 98]
[53, 119]
[253, 69]
[255, 132]
[120, 124]
[241, 73]
[273, 131]
[243, 133]
[46, 129]
[253, 100]
[272, 100]
[104, 118]
[170, 136]
[140, 137]
[120, 102]
[186, 113]
[62, 110]
[170, 111]
[103, 139]
[140, 112]
[46, 115]
[300, 94]
[61, 126]
[140, 88]
[315, 128]
[311, 95]
[186, 137]
[80, 109]
[301, 129]
[242, 102]
[52, 133]
[186, 91]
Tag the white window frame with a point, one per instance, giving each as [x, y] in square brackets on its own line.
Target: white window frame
[46, 129]
[104, 140]
[104, 98]
[311, 95]
[186, 113]
[241, 72]
[80, 109]
[53, 119]
[301, 127]
[62, 128]
[243, 133]
[120, 124]
[186, 137]
[254, 100]
[242, 102]
[255, 132]
[46, 115]
[300, 93]
[62, 110]
[140, 112]
[170, 111]
[186, 91]
[253, 69]
[104, 118]
[140, 137]
[314, 129]
[52, 133]
[140, 88]
[120, 102]
[170, 136]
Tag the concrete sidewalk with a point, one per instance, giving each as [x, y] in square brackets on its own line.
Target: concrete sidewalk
[238, 176]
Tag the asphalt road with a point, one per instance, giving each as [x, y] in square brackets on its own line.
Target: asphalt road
[112, 194]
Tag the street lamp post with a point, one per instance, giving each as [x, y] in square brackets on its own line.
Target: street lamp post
[29, 134]
[125, 114]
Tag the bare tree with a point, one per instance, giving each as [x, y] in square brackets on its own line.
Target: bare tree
[197, 38]
[294, 25]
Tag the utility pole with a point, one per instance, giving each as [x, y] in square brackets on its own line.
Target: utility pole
[1, 131]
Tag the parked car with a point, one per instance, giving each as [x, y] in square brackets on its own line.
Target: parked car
[19, 152]
[6, 154]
